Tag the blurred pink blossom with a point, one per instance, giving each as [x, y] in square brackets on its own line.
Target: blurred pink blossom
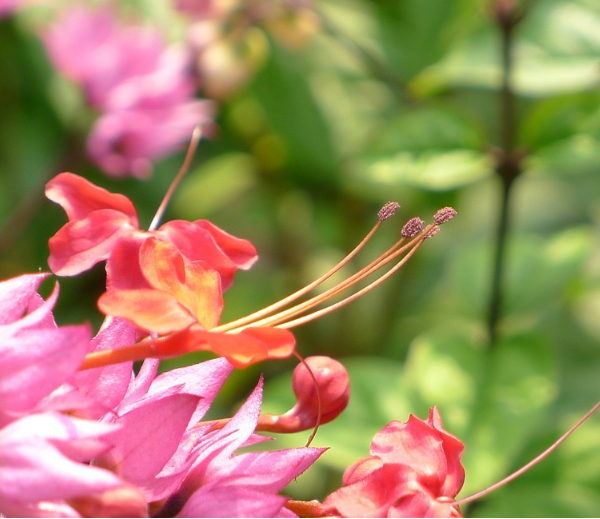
[143, 89]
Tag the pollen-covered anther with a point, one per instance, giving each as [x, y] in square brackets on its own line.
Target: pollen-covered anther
[432, 232]
[443, 215]
[413, 227]
[388, 210]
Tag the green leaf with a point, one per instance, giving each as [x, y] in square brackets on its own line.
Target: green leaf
[539, 500]
[555, 47]
[443, 368]
[433, 148]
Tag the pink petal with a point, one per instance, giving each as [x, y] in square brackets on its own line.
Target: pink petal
[35, 459]
[15, 295]
[39, 316]
[79, 439]
[138, 387]
[123, 266]
[374, 495]
[126, 142]
[415, 444]
[149, 435]
[231, 502]
[453, 449]
[204, 379]
[24, 360]
[268, 471]
[34, 470]
[107, 386]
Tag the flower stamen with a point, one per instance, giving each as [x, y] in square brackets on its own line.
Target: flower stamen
[384, 213]
[268, 317]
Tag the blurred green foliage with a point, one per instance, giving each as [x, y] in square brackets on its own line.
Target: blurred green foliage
[400, 101]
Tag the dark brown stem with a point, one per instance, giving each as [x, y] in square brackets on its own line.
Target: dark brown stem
[508, 158]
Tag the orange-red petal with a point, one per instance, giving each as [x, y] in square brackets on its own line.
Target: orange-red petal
[249, 346]
[150, 310]
[195, 285]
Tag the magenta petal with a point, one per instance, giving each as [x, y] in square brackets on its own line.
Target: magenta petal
[231, 502]
[138, 387]
[204, 380]
[34, 466]
[79, 439]
[267, 471]
[243, 423]
[25, 357]
[34, 470]
[107, 386]
[39, 316]
[149, 435]
[15, 295]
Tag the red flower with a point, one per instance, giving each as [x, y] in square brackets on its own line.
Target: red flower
[169, 282]
[184, 299]
[411, 465]
[104, 226]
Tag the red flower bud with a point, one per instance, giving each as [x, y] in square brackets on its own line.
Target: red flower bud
[334, 391]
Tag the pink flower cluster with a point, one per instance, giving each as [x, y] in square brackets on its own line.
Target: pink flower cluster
[412, 465]
[143, 89]
[106, 442]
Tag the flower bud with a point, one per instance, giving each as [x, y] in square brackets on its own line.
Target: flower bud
[334, 389]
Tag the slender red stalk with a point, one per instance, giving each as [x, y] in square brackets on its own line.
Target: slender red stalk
[527, 466]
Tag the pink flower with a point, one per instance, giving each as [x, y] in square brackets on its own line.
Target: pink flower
[128, 141]
[221, 483]
[156, 418]
[30, 342]
[42, 465]
[144, 89]
[411, 465]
